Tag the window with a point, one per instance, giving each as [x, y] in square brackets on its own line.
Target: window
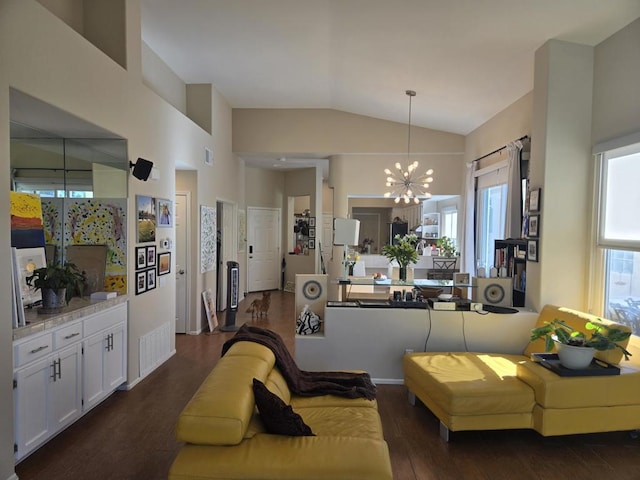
[51, 191]
[619, 234]
[491, 213]
[450, 224]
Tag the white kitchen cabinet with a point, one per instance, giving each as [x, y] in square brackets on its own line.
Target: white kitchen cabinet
[104, 362]
[63, 371]
[48, 398]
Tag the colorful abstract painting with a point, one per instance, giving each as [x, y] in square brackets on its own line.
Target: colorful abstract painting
[26, 221]
[93, 221]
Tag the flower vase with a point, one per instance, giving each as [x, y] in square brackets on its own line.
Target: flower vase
[351, 270]
[402, 273]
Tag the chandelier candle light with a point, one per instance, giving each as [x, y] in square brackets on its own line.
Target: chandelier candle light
[408, 184]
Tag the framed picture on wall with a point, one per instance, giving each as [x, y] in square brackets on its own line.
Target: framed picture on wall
[312, 221]
[534, 221]
[141, 257]
[532, 250]
[151, 278]
[151, 256]
[312, 233]
[164, 263]
[141, 282]
[534, 200]
[312, 244]
[164, 209]
[146, 214]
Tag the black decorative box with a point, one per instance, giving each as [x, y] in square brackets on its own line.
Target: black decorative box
[597, 367]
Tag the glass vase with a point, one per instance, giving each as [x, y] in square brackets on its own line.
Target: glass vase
[402, 273]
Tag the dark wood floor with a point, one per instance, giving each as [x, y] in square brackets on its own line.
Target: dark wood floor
[131, 434]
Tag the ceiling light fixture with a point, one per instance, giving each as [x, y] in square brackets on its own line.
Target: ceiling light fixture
[407, 184]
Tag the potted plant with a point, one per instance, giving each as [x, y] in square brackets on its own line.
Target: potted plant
[446, 247]
[58, 283]
[575, 350]
[403, 251]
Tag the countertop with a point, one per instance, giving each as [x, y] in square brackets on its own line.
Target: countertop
[77, 308]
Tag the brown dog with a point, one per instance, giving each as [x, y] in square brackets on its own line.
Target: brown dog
[260, 306]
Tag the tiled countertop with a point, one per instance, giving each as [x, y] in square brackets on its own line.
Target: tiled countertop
[77, 308]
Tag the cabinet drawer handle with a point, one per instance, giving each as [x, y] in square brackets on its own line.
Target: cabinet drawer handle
[75, 334]
[39, 349]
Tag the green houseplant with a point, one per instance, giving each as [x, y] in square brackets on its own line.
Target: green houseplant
[570, 342]
[403, 251]
[447, 248]
[59, 283]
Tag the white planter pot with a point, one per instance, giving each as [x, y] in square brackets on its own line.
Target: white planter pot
[574, 357]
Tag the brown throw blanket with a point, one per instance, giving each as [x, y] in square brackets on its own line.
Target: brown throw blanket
[344, 384]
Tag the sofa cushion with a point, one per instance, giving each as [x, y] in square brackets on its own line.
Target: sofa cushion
[576, 320]
[343, 421]
[465, 383]
[279, 457]
[220, 411]
[278, 417]
[554, 391]
[298, 401]
[278, 385]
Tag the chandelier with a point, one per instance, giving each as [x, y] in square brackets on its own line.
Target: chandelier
[407, 184]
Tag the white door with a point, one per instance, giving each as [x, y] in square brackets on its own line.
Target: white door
[263, 249]
[181, 217]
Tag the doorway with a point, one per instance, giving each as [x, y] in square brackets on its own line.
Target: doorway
[182, 219]
[263, 248]
[226, 248]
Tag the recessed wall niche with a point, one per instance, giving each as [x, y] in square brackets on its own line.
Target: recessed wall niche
[82, 184]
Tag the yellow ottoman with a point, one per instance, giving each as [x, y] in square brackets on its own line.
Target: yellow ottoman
[470, 391]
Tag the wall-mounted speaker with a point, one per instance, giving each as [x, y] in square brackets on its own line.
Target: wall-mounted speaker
[492, 291]
[141, 169]
[346, 231]
[311, 289]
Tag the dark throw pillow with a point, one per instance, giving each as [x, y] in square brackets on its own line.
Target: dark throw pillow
[278, 417]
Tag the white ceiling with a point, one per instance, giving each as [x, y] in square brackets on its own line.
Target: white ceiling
[467, 59]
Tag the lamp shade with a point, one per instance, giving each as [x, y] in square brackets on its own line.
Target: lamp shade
[346, 231]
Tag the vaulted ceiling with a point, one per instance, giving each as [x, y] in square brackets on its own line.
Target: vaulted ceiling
[467, 59]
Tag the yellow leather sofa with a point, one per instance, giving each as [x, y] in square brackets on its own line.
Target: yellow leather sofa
[495, 391]
[226, 439]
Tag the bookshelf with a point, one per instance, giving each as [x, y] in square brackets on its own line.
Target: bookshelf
[431, 226]
[511, 261]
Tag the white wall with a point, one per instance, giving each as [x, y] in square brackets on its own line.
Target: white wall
[45, 58]
[562, 165]
[616, 89]
[162, 80]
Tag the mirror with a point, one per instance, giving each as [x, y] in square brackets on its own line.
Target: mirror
[82, 184]
[381, 218]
